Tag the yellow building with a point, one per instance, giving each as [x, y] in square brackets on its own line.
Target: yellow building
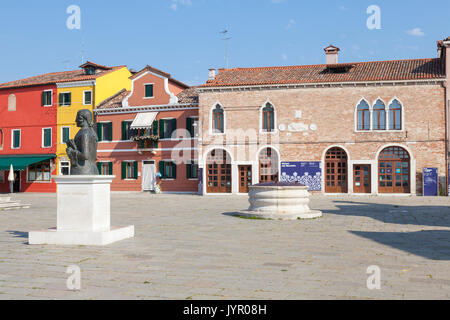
[83, 89]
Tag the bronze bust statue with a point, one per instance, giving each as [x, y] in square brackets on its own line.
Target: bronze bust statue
[82, 151]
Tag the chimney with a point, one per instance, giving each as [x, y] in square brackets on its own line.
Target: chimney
[331, 53]
[212, 74]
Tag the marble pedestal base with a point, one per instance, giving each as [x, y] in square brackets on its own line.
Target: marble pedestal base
[279, 202]
[83, 214]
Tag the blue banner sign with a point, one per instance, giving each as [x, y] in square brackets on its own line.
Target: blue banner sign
[430, 182]
[306, 173]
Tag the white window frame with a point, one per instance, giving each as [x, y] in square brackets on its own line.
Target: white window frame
[147, 84]
[65, 105]
[12, 139]
[171, 161]
[51, 98]
[62, 133]
[261, 120]
[61, 166]
[84, 98]
[129, 161]
[40, 181]
[211, 120]
[103, 133]
[43, 138]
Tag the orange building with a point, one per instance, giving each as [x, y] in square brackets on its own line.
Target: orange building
[148, 136]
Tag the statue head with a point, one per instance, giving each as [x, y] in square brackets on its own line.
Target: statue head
[84, 118]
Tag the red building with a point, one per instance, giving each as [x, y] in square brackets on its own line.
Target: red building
[150, 131]
[28, 134]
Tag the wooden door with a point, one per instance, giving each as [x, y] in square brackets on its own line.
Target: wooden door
[362, 178]
[218, 173]
[336, 171]
[245, 178]
[394, 171]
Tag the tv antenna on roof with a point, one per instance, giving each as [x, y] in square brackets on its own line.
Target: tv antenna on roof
[225, 32]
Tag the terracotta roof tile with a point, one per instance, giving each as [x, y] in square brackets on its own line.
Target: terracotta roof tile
[415, 69]
[188, 96]
[56, 77]
[115, 101]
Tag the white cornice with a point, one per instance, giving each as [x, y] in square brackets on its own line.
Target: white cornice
[75, 84]
[159, 108]
[322, 85]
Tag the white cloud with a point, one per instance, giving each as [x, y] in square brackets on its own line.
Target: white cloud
[284, 56]
[176, 3]
[415, 32]
[291, 23]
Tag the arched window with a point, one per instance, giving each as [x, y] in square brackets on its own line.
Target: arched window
[12, 102]
[394, 171]
[268, 118]
[218, 120]
[363, 116]
[395, 115]
[218, 174]
[379, 116]
[336, 171]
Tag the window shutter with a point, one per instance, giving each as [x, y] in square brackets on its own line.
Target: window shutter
[43, 98]
[124, 170]
[189, 127]
[47, 138]
[272, 121]
[173, 126]
[69, 98]
[135, 170]
[99, 132]
[110, 167]
[161, 129]
[109, 131]
[124, 130]
[161, 169]
[155, 128]
[99, 167]
[16, 139]
[174, 170]
[60, 99]
[188, 170]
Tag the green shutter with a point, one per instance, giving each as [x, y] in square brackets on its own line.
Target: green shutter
[188, 170]
[47, 137]
[174, 126]
[135, 170]
[161, 129]
[43, 98]
[108, 134]
[99, 132]
[110, 168]
[69, 100]
[189, 127]
[16, 143]
[174, 170]
[124, 170]
[149, 90]
[155, 128]
[161, 169]
[124, 130]
[60, 99]
[99, 167]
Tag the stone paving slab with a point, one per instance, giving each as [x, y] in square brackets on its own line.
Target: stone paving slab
[187, 247]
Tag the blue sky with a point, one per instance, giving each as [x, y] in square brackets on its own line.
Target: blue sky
[182, 37]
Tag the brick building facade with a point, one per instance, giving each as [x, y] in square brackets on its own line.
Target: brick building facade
[371, 127]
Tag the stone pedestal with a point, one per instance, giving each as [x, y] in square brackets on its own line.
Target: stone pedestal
[280, 201]
[83, 214]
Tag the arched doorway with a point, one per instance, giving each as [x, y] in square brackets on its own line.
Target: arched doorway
[336, 171]
[394, 171]
[268, 165]
[218, 175]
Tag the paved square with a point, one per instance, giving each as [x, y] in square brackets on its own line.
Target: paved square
[187, 247]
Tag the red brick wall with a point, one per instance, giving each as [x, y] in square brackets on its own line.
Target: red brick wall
[332, 111]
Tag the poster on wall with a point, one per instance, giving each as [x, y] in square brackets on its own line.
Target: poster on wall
[430, 182]
[308, 173]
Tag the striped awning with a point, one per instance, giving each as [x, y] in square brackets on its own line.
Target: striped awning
[144, 120]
